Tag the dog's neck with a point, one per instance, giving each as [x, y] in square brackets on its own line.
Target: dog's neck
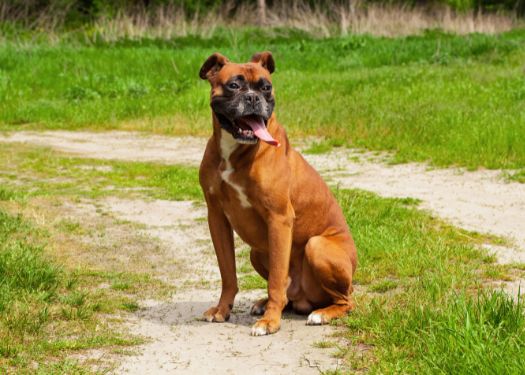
[227, 146]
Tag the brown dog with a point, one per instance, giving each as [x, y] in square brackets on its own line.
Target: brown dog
[257, 185]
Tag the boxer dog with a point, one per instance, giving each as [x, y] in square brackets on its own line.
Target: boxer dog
[257, 185]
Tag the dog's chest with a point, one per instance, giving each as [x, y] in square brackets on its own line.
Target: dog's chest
[235, 199]
[228, 146]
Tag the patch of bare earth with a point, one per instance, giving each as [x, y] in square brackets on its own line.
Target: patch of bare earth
[480, 201]
[115, 145]
[181, 342]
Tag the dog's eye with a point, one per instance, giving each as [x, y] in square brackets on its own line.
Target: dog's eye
[233, 86]
[267, 87]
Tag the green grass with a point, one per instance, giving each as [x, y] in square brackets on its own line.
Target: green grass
[46, 311]
[248, 278]
[7, 194]
[437, 97]
[441, 318]
[47, 173]
[383, 286]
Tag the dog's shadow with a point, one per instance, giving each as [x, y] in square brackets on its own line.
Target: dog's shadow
[190, 312]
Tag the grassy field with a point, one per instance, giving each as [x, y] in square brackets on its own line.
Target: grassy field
[423, 295]
[436, 97]
[424, 303]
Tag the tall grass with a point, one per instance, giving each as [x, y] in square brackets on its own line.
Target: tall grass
[329, 19]
[375, 19]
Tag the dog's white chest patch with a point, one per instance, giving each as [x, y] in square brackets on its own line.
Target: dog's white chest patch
[228, 145]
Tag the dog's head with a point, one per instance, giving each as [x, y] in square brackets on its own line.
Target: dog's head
[242, 95]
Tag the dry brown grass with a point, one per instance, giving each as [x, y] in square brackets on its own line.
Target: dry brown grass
[167, 22]
[353, 17]
[391, 21]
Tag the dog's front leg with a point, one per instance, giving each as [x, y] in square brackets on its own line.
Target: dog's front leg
[279, 248]
[222, 238]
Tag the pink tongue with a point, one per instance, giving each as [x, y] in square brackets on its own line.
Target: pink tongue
[259, 129]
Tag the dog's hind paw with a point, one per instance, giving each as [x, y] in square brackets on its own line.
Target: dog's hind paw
[259, 308]
[315, 319]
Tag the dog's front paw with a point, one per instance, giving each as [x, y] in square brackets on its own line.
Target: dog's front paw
[215, 314]
[265, 327]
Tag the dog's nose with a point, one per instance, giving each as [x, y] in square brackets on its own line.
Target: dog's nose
[252, 98]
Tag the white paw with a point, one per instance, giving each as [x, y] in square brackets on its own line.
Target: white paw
[259, 331]
[315, 319]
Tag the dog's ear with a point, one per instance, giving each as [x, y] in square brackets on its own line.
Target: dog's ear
[265, 59]
[212, 65]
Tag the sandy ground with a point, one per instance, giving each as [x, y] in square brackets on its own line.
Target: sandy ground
[481, 201]
[116, 145]
[183, 344]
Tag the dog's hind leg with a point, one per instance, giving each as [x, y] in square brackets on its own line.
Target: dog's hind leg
[332, 259]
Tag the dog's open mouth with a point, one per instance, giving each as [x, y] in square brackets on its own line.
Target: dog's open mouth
[249, 129]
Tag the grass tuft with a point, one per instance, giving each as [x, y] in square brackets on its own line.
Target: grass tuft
[484, 335]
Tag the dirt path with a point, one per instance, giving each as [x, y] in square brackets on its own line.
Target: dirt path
[180, 342]
[116, 145]
[479, 201]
